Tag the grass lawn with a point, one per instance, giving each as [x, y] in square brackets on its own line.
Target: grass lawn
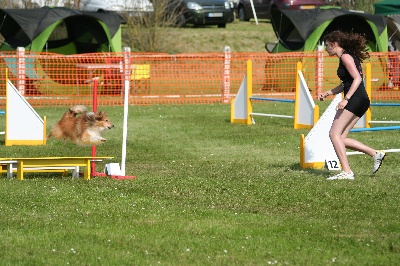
[207, 192]
[240, 36]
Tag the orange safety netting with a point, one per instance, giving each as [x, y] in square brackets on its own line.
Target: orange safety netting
[155, 78]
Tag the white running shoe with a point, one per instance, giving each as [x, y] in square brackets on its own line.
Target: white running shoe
[378, 159]
[342, 175]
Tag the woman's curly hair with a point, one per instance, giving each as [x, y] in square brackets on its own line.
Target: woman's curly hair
[352, 42]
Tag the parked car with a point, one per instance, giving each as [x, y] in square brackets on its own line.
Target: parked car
[201, 12]
[263, 7]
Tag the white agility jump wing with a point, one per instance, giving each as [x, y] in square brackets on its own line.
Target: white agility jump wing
[316, 148]
[23, 125]
[306, 112]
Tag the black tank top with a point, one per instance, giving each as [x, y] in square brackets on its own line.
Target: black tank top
[347, 79]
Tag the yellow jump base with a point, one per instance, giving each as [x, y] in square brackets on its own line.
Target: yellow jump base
[48, 164]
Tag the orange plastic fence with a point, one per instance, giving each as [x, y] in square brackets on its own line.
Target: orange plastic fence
[58, 80]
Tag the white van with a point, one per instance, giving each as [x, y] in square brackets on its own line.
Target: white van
[117, 5]
[91, 5]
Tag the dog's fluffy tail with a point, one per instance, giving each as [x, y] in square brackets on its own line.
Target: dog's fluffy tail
[78, 109]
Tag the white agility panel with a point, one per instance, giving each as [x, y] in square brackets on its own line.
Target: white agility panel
[23, 125]
[306, 112]
[240, 105]
[316, 148]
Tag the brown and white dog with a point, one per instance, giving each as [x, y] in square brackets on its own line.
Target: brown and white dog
[81, 127]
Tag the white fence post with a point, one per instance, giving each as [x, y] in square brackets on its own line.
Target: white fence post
[320, 68]
[227, 75]
[21, 69]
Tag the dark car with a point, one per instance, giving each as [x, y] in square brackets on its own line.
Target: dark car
[263, 7]
[202, 12]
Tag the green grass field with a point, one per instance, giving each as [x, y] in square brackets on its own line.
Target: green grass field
[240, 36]
[207, 192]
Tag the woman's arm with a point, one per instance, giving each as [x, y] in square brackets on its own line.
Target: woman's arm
[336, 90]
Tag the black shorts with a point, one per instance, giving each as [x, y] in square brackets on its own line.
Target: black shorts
[358, 105]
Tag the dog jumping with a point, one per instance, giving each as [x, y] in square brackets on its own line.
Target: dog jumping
[81, 127]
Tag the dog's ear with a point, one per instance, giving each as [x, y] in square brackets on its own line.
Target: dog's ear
[100, 115]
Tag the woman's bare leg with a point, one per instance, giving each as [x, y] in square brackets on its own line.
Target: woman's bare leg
[342, 124]
[355, 145]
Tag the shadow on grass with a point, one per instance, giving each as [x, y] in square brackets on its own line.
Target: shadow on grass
[43, 175]
[311, 171]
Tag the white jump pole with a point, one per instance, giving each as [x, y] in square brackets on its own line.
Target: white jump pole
[127, 77]
[114, 170]
[385, 151]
